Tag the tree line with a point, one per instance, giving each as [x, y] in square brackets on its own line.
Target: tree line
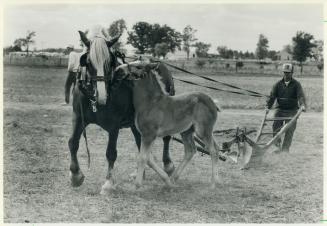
[158, 40]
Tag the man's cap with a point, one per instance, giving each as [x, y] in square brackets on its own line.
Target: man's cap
[287, 68]
[70, 46]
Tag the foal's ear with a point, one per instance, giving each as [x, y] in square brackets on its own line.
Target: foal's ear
[82, 60]
[151, 66]
[84, 39]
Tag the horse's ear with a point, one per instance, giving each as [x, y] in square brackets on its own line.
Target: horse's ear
[84, 39]
[113, 41]
[82, 60]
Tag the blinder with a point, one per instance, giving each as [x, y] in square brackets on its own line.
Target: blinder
[83, 60]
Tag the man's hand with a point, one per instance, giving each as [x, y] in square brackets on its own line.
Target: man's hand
[67, 98]
[303, 108]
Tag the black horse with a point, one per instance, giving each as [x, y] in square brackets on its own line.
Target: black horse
[116, 113]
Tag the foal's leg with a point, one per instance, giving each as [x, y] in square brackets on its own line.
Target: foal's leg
[168, 164]
[142, 160]
[111, 155]
[137, 136]
[189, 151]
[145, 157]
[76, 175]
[212, 147]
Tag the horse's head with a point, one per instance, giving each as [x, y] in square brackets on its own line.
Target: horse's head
[99, 62]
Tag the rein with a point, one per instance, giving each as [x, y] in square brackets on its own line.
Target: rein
[84, 134]
[246, 93]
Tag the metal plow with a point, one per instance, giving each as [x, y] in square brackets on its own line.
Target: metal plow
[246, 151]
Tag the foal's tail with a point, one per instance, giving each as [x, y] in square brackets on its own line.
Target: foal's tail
[218, 108]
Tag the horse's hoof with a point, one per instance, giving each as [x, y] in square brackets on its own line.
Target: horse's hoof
[169, 168]
[107, 187]
[77, 179]
[133, 175]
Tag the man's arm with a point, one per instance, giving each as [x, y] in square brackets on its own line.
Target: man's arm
[272, 97]
[301, 96]
[71, 62]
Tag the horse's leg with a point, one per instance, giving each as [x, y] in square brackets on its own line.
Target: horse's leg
[111, 154]
[76, 175]
[168, 164]
[189, 151]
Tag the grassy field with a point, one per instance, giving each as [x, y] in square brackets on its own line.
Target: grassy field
[282, 189]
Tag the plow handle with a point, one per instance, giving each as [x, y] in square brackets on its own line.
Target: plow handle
[284, 129]
[261, 127]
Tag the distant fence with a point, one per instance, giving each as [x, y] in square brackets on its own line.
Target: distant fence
[47, 61]
[208, 66]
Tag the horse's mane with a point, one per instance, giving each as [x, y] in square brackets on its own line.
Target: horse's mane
[99, 55]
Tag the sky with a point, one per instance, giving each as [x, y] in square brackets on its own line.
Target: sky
[236, 26]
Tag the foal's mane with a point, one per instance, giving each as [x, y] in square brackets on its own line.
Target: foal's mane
[152, 75]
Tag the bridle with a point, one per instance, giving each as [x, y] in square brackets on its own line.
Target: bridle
[95, 77]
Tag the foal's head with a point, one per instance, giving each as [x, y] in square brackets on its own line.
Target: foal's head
[99, 63]
[135, 70]
[157, 79]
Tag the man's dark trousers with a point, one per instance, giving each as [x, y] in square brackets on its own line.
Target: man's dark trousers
[277, 125]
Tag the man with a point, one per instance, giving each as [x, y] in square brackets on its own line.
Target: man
[73, 66]
[290, 96]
